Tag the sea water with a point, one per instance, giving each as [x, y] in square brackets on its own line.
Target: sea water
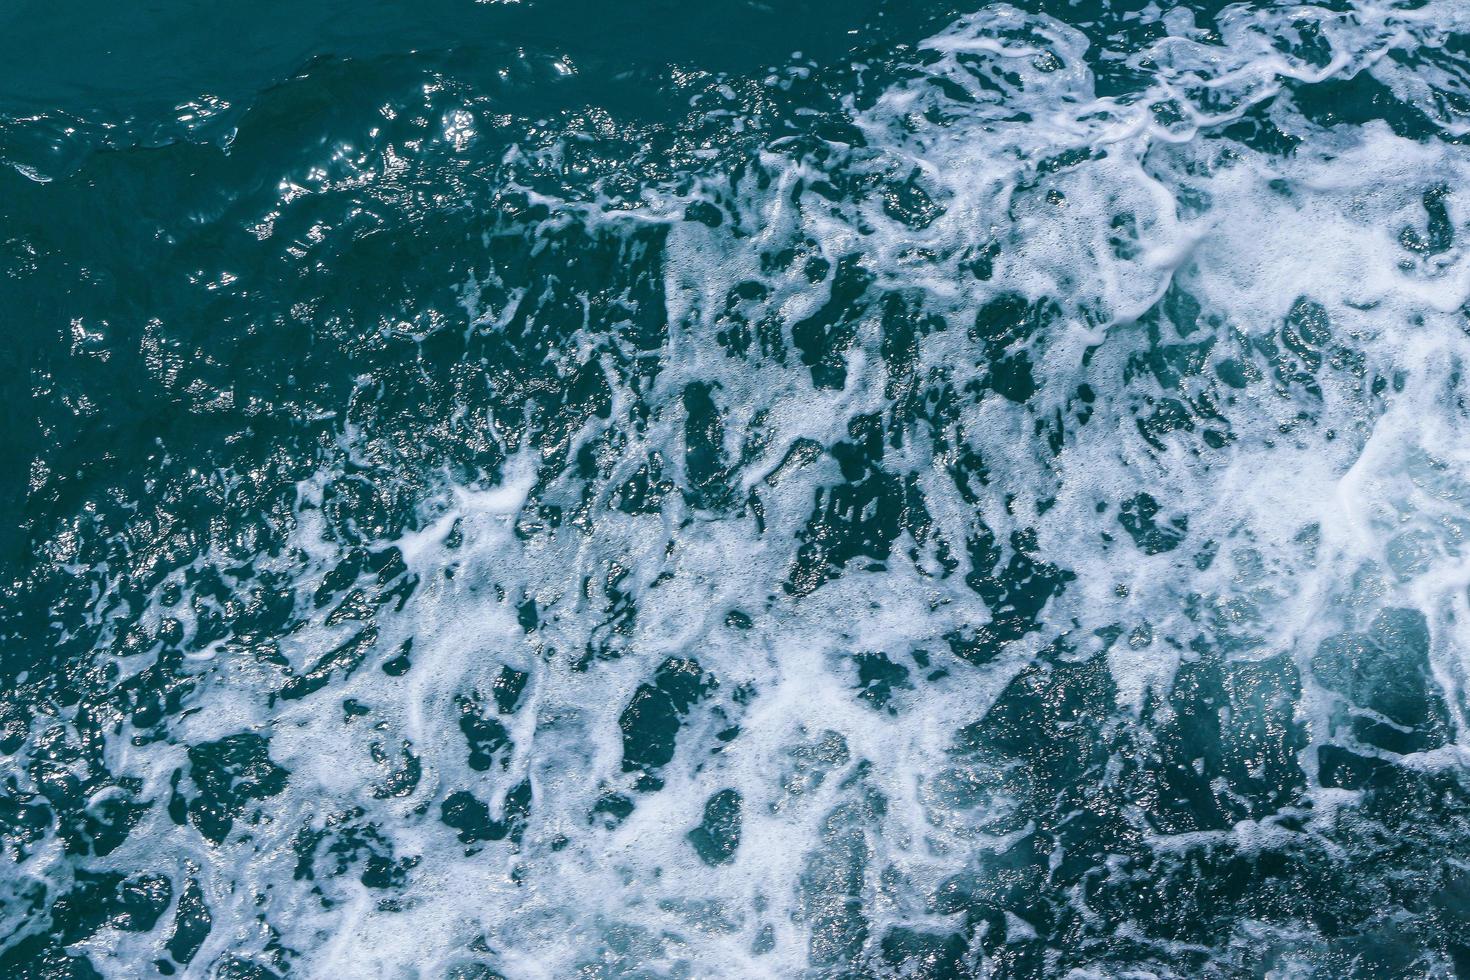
[556, 490]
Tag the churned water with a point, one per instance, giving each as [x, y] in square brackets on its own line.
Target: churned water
[634, 489]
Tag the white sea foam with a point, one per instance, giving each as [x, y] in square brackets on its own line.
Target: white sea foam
[1324, 483]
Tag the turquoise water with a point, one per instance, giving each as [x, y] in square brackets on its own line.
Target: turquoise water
[555, 489]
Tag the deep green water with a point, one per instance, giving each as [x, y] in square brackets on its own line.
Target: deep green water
[556, 489]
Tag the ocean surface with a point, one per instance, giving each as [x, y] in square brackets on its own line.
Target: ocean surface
[604, 489]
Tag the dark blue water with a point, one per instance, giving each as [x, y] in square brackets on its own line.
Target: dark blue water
[563, 490]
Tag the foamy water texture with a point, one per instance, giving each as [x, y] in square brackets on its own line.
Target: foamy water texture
[988, 505]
